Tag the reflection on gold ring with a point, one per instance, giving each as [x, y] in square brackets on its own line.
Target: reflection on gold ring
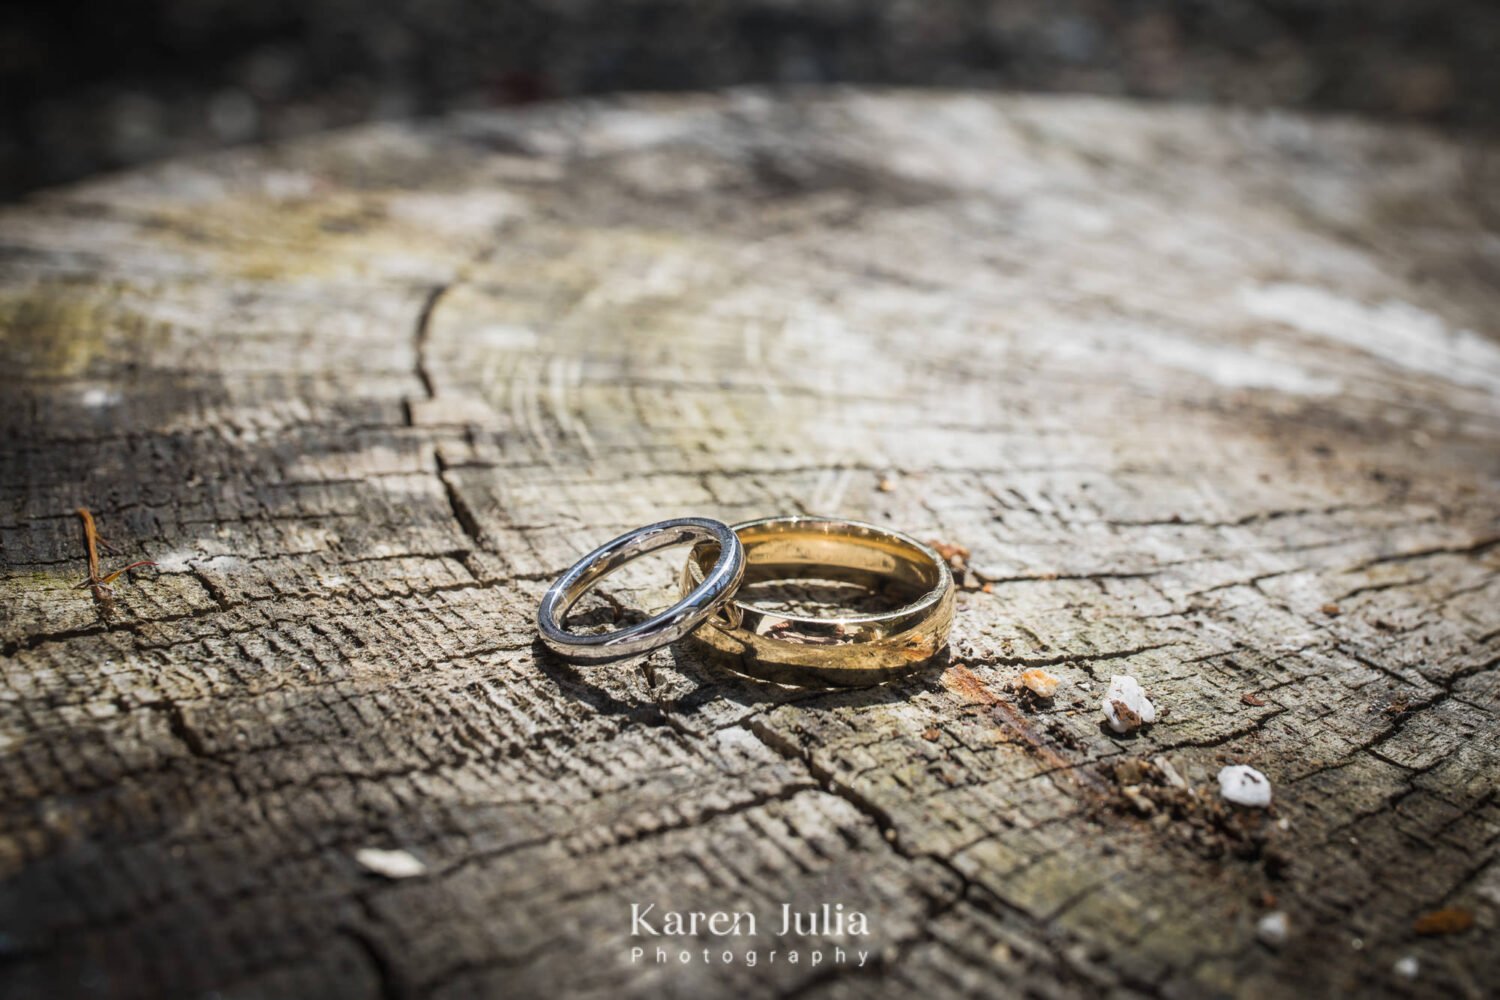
[843, 651]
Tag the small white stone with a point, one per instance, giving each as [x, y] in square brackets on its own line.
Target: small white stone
[391, 864]
[1245, 786]
[1271, 928]
[1407, 967]
[1126, 706]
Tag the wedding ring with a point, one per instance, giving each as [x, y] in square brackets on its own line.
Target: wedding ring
[843, 651]
[716, 584]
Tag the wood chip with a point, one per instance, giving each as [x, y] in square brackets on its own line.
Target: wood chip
[1039, 682]
[954, 555]
[1169, 773]
[1449, 920]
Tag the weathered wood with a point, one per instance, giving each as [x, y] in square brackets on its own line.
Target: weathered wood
[1209, 397]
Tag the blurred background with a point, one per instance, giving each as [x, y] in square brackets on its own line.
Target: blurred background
[90, 86]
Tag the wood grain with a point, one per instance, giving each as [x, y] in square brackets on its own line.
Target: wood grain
[1211, 398]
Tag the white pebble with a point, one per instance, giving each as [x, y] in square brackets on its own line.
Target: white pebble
[1245, 786]
[1408, 967]
[1272, 928]
[391, 864]
[1126, 706]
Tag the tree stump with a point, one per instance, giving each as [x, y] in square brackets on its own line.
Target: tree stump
[1206, 398]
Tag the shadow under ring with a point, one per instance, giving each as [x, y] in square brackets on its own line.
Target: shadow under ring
[855, 650]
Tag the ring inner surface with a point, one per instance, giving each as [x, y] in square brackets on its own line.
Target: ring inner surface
[824, 645]
[785, 563]
[707, 546]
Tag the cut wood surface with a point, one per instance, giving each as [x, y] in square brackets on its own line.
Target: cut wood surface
[1210, 398]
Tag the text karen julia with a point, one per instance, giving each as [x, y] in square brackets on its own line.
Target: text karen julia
[831, 921]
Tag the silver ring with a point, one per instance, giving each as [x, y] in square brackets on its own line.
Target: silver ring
[666, 627]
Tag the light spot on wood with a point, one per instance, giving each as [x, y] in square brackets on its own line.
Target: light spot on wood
[1394, 331]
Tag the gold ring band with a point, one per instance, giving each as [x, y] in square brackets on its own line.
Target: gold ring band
[845, 651]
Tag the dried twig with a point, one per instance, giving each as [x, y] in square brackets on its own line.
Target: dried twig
[100, 584]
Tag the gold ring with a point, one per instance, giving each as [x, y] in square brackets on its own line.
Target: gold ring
[845, 651]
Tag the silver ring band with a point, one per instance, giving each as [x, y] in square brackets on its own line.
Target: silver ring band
[718, 586]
